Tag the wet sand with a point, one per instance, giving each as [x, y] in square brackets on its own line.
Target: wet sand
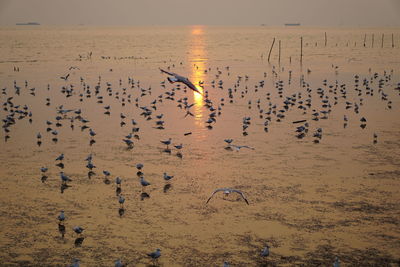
[310, 202]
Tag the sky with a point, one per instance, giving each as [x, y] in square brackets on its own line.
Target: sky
[358, 13]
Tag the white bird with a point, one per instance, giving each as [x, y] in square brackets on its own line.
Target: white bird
[265, 252]
[139, 166]
[179, 147]
[227, 191]
[78, 229]
[155, 254]
[60, 158]
[167, 142]
[64, 178]
[228, 141]
[181, 79]
[121, 200]
[240, 147]
[143, 182]
[167, 177]
[61, 217]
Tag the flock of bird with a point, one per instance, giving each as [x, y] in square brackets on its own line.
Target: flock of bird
[312, 105]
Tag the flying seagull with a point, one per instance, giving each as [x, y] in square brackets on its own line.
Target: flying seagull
[227, 191]
[180, 79]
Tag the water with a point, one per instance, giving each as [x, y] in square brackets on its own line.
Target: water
[310, 202]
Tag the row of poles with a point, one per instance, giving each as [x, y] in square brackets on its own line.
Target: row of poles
[326, 43]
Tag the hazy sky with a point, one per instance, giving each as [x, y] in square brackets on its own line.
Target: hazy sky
[363, 13]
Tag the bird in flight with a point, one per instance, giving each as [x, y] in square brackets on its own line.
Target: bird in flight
[227, 191]
[240, 147]
[180, 79]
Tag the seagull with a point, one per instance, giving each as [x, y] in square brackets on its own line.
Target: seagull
[121, 200]
[60, 158]
[179, 147]
[227, 191]
[143, 182]
[65, 77]
[228, 141]
[155, 254]
[64, 178]
[265, 252]
[167, 142]
[139, 166]
[78, 229]
[118, 181]
[167, 177]
[181, 79]
[240, 147]
[61, 217]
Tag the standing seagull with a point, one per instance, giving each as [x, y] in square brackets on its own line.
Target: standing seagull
[155, 254]
[61, 217]
[180, 79]
[227, 191]
[265, 252]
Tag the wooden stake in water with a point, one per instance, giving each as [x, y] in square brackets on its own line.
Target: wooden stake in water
[383, 36]
[326, 39]
[392, 41]
[279, 57]
[365, 39]
[301, 50]
[270, 50]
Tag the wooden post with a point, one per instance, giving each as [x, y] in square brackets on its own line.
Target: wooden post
[279, 57]
[383, 36]
[392, 41]
[270, 50]
[326, 39]
[365, 39]
[301, 50]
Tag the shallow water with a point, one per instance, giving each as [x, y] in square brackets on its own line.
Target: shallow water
[309, 201]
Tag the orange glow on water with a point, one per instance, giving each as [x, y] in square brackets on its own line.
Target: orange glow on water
[197, 59]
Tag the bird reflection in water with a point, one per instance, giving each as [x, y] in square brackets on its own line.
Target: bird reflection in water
[118, 191]
[167, 187]
[144, 195]
[60, 165]
[61, 229]
[64, 187]
[90, 174]
[121, 212]
[78, 242]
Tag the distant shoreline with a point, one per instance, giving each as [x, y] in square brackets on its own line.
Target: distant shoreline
[28, 23]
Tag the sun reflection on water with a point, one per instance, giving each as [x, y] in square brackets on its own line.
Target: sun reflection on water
[197, 59]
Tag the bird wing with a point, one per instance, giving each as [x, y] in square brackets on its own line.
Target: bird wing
[252, 148]
[169, 73]
[241, 193]
[216, 191]
[190, 85]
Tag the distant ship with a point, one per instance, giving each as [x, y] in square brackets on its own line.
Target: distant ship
[292, 24]
[28, 23]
